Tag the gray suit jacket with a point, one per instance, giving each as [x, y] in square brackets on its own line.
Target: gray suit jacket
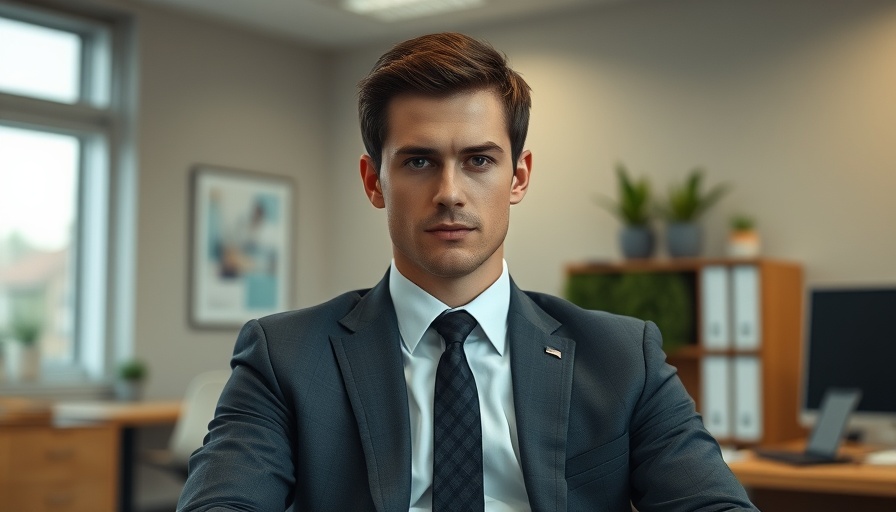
[316, 416]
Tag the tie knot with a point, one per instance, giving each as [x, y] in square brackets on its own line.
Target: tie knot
[454, 327]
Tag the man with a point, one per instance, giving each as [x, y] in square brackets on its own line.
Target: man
[343, 406]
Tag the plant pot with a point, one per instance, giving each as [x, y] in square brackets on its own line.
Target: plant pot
[22, 361]
[636, 241]
[684, 239]
[128, 390]
[744, 244]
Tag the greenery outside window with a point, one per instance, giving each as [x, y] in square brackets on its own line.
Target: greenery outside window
[67, 179]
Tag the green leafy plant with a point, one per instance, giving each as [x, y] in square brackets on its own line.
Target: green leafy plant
[633, 205]
[742, 222]
[26, 329]
[686, 202]
[666, 298]
[133, 370]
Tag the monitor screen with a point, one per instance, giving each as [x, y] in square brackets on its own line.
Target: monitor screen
[851, 343]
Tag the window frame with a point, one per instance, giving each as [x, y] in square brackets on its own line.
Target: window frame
[103, 119]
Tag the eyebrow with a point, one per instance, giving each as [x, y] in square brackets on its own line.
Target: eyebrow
[483, 148]
[427, 151]
[415, 150]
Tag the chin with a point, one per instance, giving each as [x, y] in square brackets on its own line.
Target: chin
[454, 265]
[451, 271]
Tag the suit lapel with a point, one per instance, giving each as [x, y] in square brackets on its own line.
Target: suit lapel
[542, 383]
[372, 369]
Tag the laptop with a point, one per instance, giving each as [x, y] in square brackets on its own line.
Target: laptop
[827, 434]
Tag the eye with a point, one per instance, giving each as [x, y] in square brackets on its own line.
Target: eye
[417, 163]
[480, 161]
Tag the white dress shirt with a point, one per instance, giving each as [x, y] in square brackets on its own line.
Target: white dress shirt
[488, 353]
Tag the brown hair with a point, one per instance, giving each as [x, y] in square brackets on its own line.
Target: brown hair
[440, 64]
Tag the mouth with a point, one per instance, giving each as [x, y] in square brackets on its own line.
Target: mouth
[450, 231]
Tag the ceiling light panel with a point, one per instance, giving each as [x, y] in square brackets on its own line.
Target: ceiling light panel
[398, 10]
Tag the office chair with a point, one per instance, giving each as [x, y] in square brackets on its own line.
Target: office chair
[197, 411]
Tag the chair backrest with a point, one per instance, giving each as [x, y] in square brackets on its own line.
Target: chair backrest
[197, 411]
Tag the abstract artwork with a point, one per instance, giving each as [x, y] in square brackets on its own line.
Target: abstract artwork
[241, 252]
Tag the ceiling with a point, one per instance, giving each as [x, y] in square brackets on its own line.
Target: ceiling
[321, 23]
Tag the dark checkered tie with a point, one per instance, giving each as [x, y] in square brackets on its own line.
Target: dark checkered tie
[457, 429]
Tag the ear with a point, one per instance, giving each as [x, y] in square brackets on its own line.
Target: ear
[521, 174]
[371, 182]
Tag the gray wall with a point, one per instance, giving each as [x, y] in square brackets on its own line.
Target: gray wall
[214, 94]
[789, 101]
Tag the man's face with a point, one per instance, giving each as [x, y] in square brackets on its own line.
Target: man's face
[447, 181]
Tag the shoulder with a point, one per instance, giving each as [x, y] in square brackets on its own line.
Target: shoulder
[315, 320]
[598, 335]
[575, 318]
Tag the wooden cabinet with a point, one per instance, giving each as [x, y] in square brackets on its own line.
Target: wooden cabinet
[736, 329]
[43, 468]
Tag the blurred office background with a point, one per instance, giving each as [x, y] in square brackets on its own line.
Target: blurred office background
[791, 102]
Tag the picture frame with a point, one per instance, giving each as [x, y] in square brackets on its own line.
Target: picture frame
[240, 246]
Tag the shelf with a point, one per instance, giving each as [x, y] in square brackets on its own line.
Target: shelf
[706, 308]
[662, 265]
[697, 352]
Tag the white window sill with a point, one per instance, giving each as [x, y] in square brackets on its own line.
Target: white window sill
[57, 390]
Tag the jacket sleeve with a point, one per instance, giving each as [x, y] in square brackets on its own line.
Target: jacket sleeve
[676, 465]
[246, 461]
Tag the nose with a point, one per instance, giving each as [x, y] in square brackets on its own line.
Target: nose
[449, 192]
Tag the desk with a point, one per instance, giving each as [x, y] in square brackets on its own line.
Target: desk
[126, 417]
[855, 486]
[43, 467]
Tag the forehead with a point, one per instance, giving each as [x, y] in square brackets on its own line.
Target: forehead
[415, 117]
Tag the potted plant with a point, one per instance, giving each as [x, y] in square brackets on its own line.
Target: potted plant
[632, 208]
[686, 203]
[22, 351]
[743, 239]
[131, 376]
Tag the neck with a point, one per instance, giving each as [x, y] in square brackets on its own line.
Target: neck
[456, 291]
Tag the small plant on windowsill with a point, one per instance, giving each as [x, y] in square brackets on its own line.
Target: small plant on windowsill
[132, 375]
[22, 348]
[26, 331]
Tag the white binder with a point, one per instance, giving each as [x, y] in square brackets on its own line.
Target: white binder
[715, 396]
[747, 398]
[747, 327]
[714, 305]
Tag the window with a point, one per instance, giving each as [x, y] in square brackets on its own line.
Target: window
[38, 191]
[66, 192]
[50, 69]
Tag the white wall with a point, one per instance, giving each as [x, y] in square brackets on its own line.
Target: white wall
[790, 101]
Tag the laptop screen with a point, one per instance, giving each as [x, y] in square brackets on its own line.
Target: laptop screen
[836, 407]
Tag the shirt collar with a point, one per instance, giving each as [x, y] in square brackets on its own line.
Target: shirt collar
[416, 309]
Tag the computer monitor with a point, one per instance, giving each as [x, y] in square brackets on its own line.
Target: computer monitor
[851, 343]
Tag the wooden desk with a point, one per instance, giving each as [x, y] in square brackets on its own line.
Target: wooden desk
[776, 486]
[44, 467]
[126, 417]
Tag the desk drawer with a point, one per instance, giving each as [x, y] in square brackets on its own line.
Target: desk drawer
[69, 497]
[60, 455]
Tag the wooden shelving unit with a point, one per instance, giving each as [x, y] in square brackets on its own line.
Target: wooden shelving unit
[740, 296]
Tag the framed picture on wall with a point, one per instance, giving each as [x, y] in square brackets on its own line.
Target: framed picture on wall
[241, 246]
